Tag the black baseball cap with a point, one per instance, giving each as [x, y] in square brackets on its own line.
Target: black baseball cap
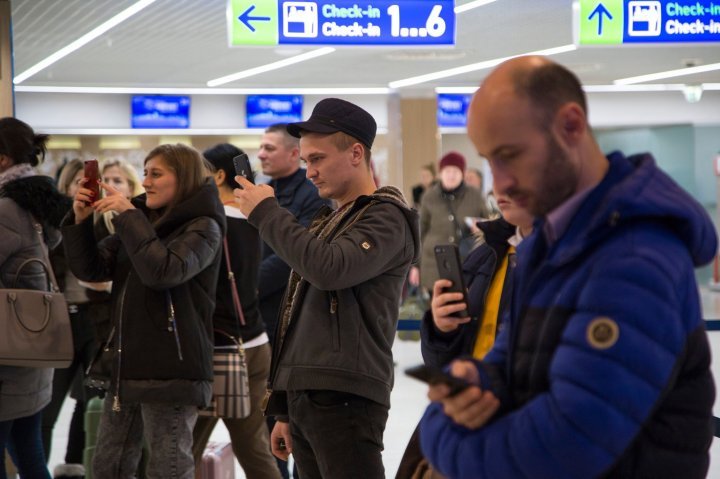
[331, 115]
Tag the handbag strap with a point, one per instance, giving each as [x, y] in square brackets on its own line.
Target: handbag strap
[54, 285]
[233, 286]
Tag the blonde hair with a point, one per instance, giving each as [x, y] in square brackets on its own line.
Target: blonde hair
[130, 174]
[67, 174]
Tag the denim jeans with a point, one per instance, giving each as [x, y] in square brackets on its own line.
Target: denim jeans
[22, 437]
[336, 435]
[167, 429]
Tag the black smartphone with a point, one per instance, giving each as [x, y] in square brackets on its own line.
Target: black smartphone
[447, 257]
[433, 375]
[92, 173]
[243, 168]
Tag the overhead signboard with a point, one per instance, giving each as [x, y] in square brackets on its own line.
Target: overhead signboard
[160, 111]
[614, 22]
[265, 110]
[341, 22]
[452, 109]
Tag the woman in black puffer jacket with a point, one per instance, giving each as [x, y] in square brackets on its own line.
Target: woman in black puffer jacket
[163, 260]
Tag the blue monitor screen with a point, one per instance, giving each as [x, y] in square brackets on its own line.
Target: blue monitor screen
[265, 110]
[160, 111]
[452, 109]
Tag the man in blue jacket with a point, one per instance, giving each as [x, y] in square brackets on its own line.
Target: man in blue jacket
[604, 367]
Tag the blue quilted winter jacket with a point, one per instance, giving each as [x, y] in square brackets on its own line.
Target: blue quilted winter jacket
[604, 369]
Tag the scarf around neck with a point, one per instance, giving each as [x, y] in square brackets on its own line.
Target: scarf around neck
[15, 172]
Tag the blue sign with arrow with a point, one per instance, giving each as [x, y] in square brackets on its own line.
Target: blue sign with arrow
[614, 22]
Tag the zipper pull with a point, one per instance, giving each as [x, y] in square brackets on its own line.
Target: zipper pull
[333, 305]
[116, 403]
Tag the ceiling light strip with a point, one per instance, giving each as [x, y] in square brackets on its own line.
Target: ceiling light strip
[470, 5]
[202, 91]
[475, 67]
[83, 40]
[271, 66]
[668, 74]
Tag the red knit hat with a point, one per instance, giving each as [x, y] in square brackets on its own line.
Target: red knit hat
[453, 158]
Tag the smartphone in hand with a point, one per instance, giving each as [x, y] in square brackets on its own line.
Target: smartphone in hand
[433, 375]
[243, 168]
[447, 257]
[92, 173]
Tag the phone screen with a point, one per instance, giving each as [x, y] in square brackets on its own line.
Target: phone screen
[92, 173]
[447, 257]
[243, 168]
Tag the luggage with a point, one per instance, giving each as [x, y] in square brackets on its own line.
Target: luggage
[93, 411]
[218, 461]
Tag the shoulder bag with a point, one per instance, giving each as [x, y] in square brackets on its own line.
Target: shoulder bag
[35, 327]
[231, 387]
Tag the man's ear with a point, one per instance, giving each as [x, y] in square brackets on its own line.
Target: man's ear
[358, 154]
[571, 123]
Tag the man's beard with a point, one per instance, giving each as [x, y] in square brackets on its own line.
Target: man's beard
[558, 180]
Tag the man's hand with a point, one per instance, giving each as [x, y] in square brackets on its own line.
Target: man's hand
[250, 195]
[281, 440]
[444, 304]
[472, 408]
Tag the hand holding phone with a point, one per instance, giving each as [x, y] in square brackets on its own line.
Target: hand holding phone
[432, 376]
[449, 267]
[92, 173]
[243, 168]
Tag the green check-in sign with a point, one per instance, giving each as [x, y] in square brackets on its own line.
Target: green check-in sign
[254, 24]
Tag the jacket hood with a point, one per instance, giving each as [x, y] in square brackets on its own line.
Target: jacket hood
[635, 189]
[38, 195]
[204, 202]
[390, 194]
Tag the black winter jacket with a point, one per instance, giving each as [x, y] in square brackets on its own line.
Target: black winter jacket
[157, 269]
[479, 268]
[244, 246]
[300, 197]
[341, 333]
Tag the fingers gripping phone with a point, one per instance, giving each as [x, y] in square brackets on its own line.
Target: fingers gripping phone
[447, 257]
[243, 168]
[433, 376]
[92, 173]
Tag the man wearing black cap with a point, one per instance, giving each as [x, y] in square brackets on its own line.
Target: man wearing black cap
[332, 368]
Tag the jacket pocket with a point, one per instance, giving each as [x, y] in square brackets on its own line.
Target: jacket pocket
[335, 321]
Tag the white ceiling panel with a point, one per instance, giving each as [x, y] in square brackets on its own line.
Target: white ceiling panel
[183, 43]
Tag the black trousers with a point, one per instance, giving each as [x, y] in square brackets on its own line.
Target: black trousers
[336, 435]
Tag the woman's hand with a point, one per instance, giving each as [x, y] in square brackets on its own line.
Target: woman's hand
[443, 305]
[82, 203]
[114, 200]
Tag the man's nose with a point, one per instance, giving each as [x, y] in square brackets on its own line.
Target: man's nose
[502, 181]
